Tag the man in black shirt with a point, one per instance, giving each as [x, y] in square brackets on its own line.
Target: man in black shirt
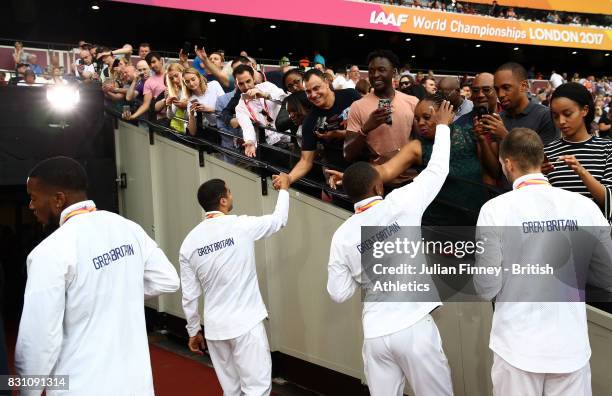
[512, 87]
[326, 123]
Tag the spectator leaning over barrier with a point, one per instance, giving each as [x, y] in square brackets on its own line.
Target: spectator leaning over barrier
[298, 106]
[176, 97]
[449, 87]
[326, 123]
[136, 88]
[380, 123]
[259, 104]
[202, 97]
[153, 87]
[512, 86]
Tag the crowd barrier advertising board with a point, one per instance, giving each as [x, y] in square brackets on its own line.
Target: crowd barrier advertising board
[588, 6]
[362, 15]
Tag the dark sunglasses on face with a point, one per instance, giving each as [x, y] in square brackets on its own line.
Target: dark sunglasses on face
[488, 91]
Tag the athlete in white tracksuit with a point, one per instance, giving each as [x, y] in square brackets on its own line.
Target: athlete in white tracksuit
[218, 258]
[83, 313]
[401, 338]
[540, 347]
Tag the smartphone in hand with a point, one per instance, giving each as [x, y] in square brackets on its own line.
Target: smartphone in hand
[386, 104]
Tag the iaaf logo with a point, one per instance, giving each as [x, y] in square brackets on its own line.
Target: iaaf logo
[391, 19]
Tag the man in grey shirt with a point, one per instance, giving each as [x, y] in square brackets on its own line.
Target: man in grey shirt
[451, 89]
[512, 86]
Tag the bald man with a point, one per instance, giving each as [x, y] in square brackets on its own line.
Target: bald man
[450, 87]
[484, 101]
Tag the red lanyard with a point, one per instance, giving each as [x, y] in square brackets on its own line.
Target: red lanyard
[253, 116]
[367, 206]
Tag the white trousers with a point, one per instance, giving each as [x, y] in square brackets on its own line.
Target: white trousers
[414, 353]
[243, 364]
[511, 381]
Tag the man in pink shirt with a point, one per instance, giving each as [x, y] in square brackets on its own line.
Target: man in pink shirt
[380, 123]
[153, 86]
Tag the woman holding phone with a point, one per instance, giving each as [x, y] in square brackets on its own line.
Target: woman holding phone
[176, 97]
[578, 161]
[464, 186]
[202, 99]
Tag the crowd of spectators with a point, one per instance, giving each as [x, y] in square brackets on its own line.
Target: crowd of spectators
[334, 116]
[497, 11]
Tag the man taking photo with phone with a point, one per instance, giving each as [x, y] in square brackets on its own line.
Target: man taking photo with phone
[325, 124]
[380, 123]
[485, 103]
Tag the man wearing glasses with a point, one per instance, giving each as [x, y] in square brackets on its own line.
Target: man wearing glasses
[485, 103]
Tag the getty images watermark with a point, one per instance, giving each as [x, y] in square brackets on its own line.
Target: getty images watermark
[559, 263]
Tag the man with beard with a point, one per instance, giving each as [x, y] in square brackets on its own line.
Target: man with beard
[512, 87]
[83, 312]
[380, 123]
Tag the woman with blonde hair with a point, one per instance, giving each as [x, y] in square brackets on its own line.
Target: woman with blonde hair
[176, 97]
[202, 99]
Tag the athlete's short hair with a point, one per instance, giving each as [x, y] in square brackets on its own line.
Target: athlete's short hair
[524, 147]
[517, 70]
[358, 180]
[210, 194]
[61, 172]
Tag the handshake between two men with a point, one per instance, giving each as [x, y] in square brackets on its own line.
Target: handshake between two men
[404, 159]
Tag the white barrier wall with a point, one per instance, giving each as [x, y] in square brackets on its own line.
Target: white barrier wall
[162, 181]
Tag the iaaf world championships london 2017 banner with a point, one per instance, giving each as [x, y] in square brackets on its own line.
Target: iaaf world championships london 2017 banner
[368, 15]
